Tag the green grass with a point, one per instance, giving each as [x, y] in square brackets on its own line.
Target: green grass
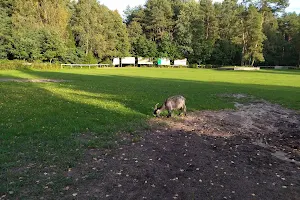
[40, 123]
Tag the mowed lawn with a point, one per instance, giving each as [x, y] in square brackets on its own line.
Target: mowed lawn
[41, 123]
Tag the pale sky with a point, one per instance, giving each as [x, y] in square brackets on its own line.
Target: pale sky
[121, 5]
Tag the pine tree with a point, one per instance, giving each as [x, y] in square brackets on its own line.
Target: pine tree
[289, 26]
[5, 31]
[120, 36]
[158, 19]
[252, 36]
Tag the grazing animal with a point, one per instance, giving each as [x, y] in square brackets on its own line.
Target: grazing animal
[172, 103]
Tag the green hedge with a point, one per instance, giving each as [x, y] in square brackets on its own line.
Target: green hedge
[19, 64]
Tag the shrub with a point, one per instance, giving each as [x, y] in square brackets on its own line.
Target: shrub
[20, 64]
[193, 66]
[180, 66]
[106, 61]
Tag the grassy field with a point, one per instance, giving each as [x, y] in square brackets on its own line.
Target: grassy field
[40, 123]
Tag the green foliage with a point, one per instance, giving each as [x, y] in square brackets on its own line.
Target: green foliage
[135, 14]
[270, 5]
[19, 65]
[254, 36]
[74, 55]
[289, 26]
[52, 48]
[251, 37]
[144, 48]
[99, 31]
[26, 45]
[226, 53]
[197, 30]
[193, 66]
[183, 29]
[167, 48]
[5, 32]
[158, 14]
[227, 50]
[43, 30]
[120, 36]
[90, 59]
[62, 31]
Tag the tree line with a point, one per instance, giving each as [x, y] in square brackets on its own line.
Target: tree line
[250, 32]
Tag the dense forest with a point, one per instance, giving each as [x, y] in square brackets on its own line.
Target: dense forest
[248, 32]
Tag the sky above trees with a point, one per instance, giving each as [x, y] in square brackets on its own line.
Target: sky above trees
[121, 5]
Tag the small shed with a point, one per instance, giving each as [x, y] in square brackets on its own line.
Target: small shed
[164, 61]
[128, 61]
[116, 61]
[145, 61]
[182, 62]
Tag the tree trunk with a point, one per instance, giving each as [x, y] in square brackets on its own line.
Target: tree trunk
[87, 47]
[299, 60]
[282, 55]
[207, 28]
[253, 60]
[244, 50]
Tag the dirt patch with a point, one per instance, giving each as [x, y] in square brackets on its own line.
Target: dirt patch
[277, 127]
[229, 154]
[236, 96]
[32, 80]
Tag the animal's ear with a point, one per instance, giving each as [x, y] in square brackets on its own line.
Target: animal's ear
[156, 106]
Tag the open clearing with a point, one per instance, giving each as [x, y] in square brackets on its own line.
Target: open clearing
[250, 153]
[94, 136]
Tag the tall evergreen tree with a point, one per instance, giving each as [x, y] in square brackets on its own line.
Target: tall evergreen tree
[226, 51]
[158, 19]
[252, 36]
[5, 28]
[269, 5]
[120, 35]
[290, 28]
[183, 29]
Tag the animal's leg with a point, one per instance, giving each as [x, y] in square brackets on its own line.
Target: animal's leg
[181, 111]
[184, 110]
[169, 113]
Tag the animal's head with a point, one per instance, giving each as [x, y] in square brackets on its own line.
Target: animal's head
[156, 110]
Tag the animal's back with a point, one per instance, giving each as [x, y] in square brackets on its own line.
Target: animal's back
[176, 98]
[175, 101]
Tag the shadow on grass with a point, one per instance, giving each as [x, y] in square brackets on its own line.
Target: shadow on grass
[141, 93]
[41, 121]
[271, 71]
